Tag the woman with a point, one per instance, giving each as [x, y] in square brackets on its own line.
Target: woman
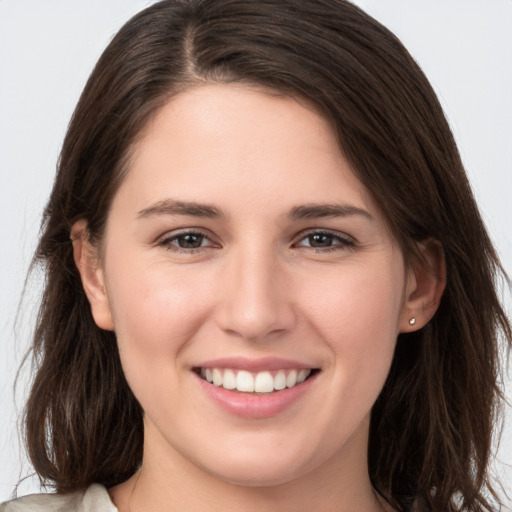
[268, 283]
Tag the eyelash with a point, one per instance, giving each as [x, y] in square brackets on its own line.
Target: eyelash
[166, 242]
[339, 242]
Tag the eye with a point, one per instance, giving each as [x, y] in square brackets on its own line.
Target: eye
[325, 240]
[187, 241]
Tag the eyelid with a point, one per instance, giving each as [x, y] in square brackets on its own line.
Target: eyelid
[166, 239]
[344, 241]
[347, 240]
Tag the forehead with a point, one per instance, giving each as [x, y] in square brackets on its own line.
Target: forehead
[240, 146]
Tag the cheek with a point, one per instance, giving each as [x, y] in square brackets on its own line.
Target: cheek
[361, 301]
[358, 316]
[155, 314]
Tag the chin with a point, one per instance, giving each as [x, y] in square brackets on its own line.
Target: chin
[264, 477]
[258, 470]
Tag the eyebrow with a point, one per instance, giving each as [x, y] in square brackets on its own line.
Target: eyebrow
[174, 207]
[318, 211]
[194, 209]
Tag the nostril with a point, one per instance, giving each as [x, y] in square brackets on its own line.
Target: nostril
[254, 322]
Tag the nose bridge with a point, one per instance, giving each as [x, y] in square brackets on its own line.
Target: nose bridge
[255, 303]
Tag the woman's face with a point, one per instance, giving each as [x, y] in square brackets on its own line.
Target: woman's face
[242, 248]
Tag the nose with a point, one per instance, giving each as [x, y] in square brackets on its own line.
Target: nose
[255, 301]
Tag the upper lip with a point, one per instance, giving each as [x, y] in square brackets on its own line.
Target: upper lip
[254, 365]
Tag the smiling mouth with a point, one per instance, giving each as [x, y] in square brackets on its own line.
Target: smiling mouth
[264, 382]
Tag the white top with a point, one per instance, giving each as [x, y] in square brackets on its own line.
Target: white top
[94, 499]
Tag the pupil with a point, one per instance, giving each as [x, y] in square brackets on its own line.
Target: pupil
[320, 240]
[190, 241]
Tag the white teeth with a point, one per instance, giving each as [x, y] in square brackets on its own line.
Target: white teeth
[302, 375]
[229, 379]
[261, 382]
[280, 380]
[245, 381]
[217, 377]
[264, 383]
[291, 379]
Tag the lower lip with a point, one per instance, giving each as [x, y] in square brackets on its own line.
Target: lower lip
[249, 405]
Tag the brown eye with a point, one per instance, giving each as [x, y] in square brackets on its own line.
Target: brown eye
[320, 240]
[190, 240]
[325, 240]
[187, 241]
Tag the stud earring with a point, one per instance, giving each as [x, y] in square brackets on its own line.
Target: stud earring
[412, 321]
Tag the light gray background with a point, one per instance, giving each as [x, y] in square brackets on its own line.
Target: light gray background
[47, 50]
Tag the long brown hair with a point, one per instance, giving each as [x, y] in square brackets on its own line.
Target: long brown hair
[431, 428]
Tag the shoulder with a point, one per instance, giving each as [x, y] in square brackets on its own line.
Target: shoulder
[94, 499]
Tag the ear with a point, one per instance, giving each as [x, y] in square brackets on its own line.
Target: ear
[425, 285]
[88, 263]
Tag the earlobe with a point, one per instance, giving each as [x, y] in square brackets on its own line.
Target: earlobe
[424, 288]
[88, 263]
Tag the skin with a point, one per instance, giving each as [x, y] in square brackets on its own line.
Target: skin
[255, 287]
